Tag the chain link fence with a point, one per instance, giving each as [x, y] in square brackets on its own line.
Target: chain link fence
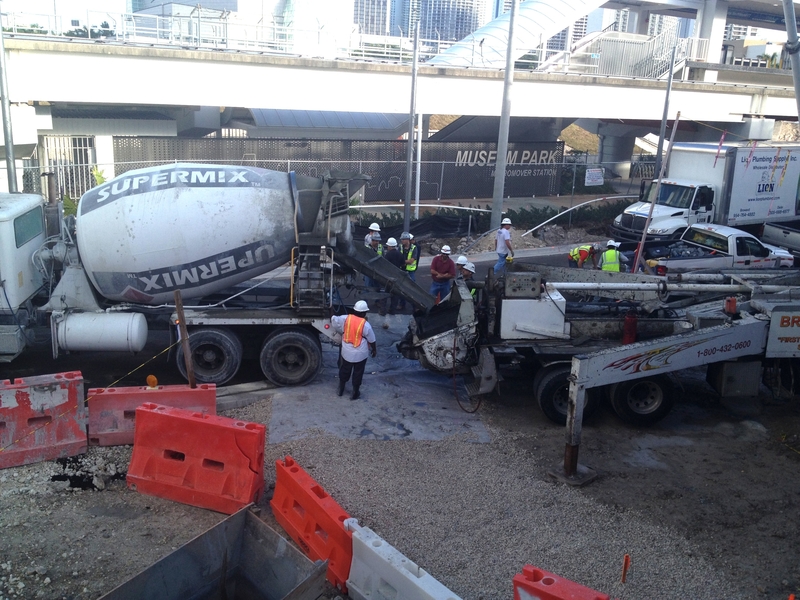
[533, 170]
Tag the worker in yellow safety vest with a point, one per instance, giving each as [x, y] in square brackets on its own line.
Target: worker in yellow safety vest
[612, 259]
[358, 343]
[468, 273]
[410, 253]
[578, 256]
[377, 247]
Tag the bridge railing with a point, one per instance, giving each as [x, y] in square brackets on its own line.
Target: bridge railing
[209, 30]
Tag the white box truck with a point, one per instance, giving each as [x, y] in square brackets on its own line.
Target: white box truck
[739, 185]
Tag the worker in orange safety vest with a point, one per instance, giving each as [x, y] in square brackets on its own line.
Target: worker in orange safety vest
[358, 343]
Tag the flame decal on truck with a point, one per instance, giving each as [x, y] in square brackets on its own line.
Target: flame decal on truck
[650, 360]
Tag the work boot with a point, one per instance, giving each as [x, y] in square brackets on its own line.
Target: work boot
[341, 388]
[356, 394]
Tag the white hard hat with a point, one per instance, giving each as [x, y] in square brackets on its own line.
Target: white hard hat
[611, 243]
[361, 306]
[596, 247]
[470, 267]
[505, 221]
[391, 242]
[445, 249]
[405, 236]
[462, 260]
[374, 227]
[410, 236]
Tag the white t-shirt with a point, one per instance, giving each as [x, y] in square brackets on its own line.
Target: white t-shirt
[349, 352]
[502, 235]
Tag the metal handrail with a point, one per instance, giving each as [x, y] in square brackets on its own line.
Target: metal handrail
[210, 32]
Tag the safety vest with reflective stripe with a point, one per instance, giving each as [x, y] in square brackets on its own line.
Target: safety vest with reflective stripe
[353, 328]
[575, 253]
[409, 256]
[611, 260]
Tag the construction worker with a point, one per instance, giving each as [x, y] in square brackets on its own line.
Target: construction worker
[377, 247]
[504, 247]
[373, 230]
[358, 343]
[443, 272]
[610, 259]
[410, 253]
[578, 256]
[468, 272]
[460, 262]
[394, 256]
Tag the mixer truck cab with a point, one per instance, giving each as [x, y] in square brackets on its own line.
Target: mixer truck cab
[22, 232]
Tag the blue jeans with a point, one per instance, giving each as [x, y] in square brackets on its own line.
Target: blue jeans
[501, 263]
[440, 289]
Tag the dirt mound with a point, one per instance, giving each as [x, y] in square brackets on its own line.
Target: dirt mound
[551, 235]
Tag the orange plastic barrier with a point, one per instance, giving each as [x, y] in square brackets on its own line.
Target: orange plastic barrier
[112, 411]
[41, 418]
[198, 459]
[313, 519]
[537, 583]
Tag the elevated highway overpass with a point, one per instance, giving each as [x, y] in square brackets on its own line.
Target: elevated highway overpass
[104, 89]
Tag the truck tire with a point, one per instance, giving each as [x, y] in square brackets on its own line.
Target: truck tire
[678, 234]
[552, 395]
[642, 402]
[291, 357]
[216, 355]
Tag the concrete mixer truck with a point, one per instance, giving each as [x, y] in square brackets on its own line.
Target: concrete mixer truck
[100, 280]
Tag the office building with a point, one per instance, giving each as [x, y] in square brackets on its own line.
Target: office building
[373, 16]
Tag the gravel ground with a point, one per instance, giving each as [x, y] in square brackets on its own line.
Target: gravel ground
[705, 503]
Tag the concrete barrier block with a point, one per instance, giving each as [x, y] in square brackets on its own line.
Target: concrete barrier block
[380, 572]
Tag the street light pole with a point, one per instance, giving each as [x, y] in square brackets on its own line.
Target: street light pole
[505, 118]
[410, 147]
[8, 136]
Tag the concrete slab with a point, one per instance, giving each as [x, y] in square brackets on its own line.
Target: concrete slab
[399, 399]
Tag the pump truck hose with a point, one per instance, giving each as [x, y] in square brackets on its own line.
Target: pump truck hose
[455, 384]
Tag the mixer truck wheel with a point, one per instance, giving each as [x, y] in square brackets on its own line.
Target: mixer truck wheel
[642, 402]
[291, 357]
[216, 355]
[552, 394]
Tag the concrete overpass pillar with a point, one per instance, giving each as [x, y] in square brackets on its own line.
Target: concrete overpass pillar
[641, 21]
[712, 17]
[615, 153]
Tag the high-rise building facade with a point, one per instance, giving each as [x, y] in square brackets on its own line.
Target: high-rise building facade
[739, 32]
[373, 16]
[564, 39]
[439, 19]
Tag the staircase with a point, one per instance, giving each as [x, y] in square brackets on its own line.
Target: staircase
[485, 373]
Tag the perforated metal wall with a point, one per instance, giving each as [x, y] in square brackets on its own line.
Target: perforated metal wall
[449, 170]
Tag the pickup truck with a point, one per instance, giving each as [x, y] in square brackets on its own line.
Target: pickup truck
[785, 235]
[707, 247]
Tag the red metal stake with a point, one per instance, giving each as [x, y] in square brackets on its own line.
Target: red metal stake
[626, 564]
